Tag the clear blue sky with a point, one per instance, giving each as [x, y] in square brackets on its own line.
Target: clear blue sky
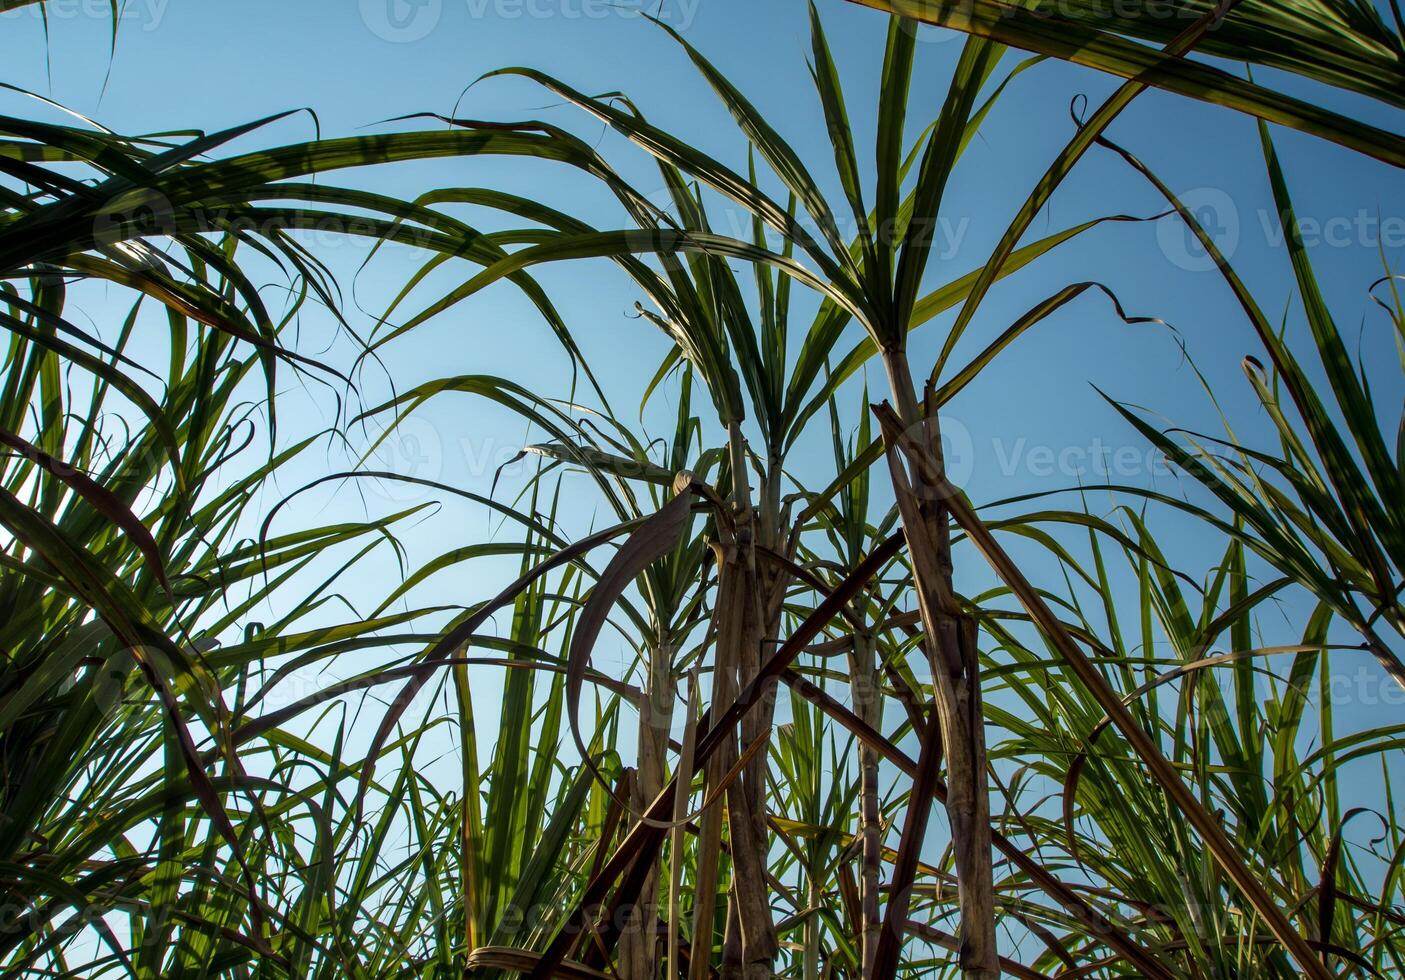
[182, 64]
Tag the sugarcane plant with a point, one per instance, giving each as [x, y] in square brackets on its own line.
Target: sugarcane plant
[147, 588]
[1324, 511]
[874, 280]
[1340, 45]
[129, 572]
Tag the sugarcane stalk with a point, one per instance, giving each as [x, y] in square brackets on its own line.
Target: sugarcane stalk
[863, 673]
[744, 609]
[676, 836]
[639, 943]
[950, 640]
